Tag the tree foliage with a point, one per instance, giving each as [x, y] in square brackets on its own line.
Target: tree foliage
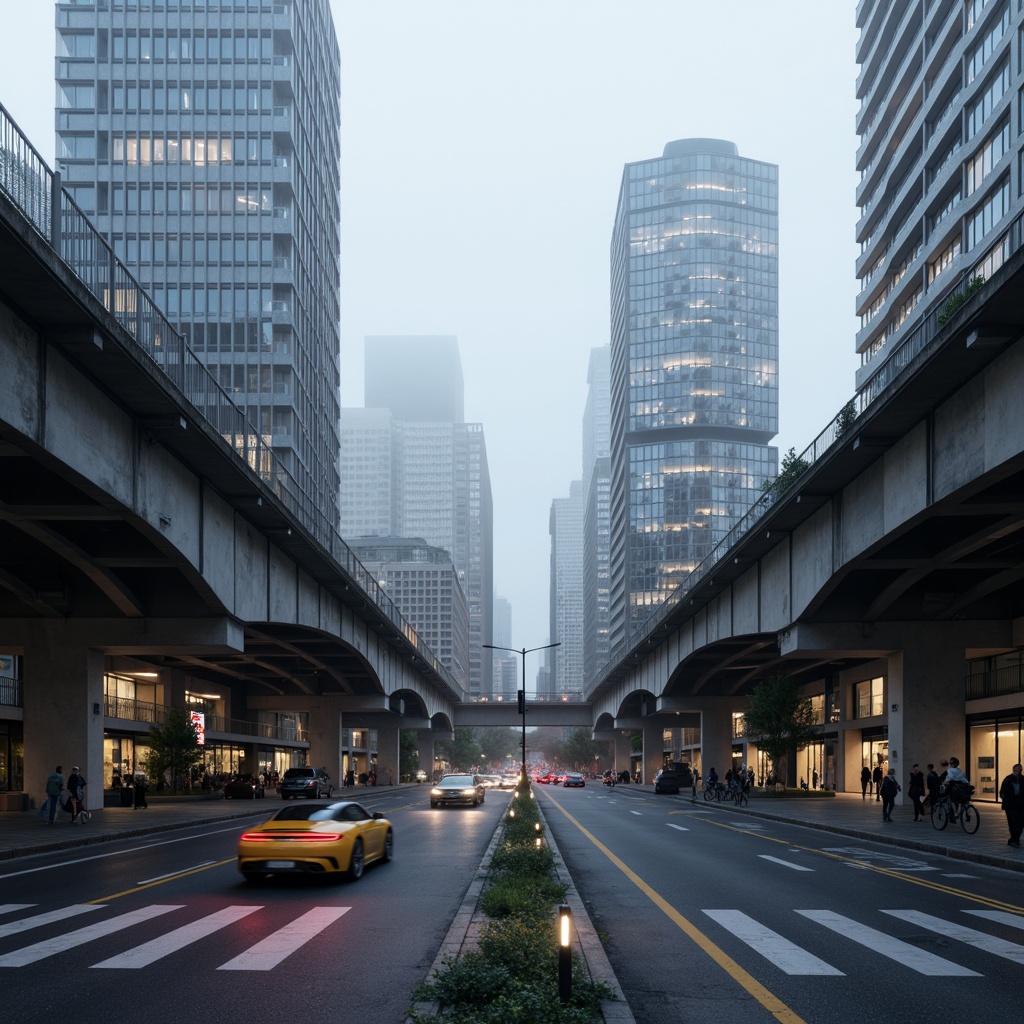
[498, 744]
[778, 719]
[578, 751]
[408, 752]
[463, 753]
[173, 748]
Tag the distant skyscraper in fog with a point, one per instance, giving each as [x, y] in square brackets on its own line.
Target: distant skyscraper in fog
[566, 607]
[417, 377]
[694, 363]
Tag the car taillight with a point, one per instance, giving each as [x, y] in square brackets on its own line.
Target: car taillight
[301, 837]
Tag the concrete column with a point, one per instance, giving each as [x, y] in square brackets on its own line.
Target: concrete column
[425, 743]
[716, 739]
[325, 747]
[622, 753]
[63, 713]
[387, 753]
[654, 752]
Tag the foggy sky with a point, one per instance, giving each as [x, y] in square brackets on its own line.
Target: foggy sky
[482, 148]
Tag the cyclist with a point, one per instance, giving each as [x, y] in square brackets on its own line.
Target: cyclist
[958, 786]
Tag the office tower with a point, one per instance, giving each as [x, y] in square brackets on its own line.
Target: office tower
[504, 666]
[440, 486]
[424, 584]
[596, 520]
[694, 354]
[417, 377]
[940, 129]
[566, 605]
[202, 139]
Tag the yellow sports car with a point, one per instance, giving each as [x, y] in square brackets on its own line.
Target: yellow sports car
[315, 840]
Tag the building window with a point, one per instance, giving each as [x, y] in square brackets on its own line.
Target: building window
[869, 697]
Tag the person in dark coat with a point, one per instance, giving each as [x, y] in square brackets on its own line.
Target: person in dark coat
[934, 784]
[140, 792]
[915, 790]
[865, 781]
[888, 790]
[1011, 792]
[876, 778]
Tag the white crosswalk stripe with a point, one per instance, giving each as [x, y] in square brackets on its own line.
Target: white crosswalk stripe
[62, 943]
[1000, 917]
[274, 948]
[9, 908]
[149, 952]
[952, 930]
[908, 955]
[23, 925]
[787, 956]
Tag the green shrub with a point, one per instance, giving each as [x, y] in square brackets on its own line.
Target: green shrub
[512, 895]
[957, 299]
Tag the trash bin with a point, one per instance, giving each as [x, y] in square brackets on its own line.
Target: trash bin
[127, 795]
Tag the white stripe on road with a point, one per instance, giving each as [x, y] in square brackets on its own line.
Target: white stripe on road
[784, 863]
[7, 908]
[62, 943]
[148, 952]
[637, 813]
[986, 943]
[787, 956]
[679, 828]
[1000, 917]
[287, 940]
[902, 952]
[13, 927]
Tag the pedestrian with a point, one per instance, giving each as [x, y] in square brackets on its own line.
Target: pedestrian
[865, 781]
[915, 790]
[76, 787]
[888, 790]
[140, 793]
[814, 779]
[1011, 792]
[934, 784]
[876, 778]
[54, 786]
[350, 777]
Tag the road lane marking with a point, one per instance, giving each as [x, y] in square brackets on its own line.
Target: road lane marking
[7, 908]
[285, 941]
[639, 814]
[784, 863]
[149, 952]
[785, 955]
[680, 828]
[979, 940]
[999, 916]
[175, 874]
[908, 955]
[775, 1006]
[14, 927]
[62, 943]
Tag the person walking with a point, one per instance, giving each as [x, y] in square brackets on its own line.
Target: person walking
[876, 778]
[915, 790]
[1011, 792]
[887, 791]
[865, 781]
[934, 784]
[54, 786]
[76, 787]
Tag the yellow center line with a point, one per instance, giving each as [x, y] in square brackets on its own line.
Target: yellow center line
[767, 999]
[161, 881]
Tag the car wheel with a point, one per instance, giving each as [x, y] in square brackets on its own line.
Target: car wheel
[389, 846]
[355, 863]
[433, 803]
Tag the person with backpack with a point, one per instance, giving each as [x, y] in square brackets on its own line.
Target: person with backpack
[888, 790]
[54, 786]
[76, 789]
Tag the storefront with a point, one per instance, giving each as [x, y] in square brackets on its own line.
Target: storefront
[995, 745]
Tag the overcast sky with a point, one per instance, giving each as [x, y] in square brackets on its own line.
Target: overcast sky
[482, 149]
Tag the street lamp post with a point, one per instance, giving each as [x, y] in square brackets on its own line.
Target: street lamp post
[522, 693]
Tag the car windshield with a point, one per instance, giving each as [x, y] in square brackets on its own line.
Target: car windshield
[458, 780]
[299, 773]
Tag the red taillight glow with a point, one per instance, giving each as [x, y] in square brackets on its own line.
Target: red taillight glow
[299, 837]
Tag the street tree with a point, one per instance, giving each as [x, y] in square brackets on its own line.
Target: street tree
[779, 719]
[173, 748]
[498, 744]
[462, 753]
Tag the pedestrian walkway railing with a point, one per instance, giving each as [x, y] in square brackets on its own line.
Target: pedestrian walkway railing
[10, 692]
[37, 192]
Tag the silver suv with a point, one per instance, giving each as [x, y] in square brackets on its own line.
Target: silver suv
[312, 783]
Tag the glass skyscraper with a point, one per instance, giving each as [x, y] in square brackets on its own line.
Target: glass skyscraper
[202, 139]
[694, 362]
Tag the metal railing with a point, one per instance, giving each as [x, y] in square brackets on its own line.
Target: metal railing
[10, 692]
[128, 709]
[36, 191]
[997, 682]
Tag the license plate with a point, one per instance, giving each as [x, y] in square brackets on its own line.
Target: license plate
[271, 864]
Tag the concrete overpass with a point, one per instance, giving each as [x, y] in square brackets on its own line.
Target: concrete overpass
[144, 523]
[897, 553]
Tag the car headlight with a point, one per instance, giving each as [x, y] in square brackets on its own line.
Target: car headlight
[469, 792]
[436, 791]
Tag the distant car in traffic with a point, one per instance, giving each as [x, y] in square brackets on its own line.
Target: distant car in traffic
[509, 781]
[312, 783]
[573, 779]
[457, 789]
[243, 787]
[339, 838]
[421, 775]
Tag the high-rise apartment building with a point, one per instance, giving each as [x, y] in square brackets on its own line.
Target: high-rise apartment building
[694, 362]
[939, 159]
[436, 469]
[596, 512]
[202, 139]
[566, 603]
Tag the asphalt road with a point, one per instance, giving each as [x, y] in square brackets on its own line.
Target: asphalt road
[715, 917]
[164, 929]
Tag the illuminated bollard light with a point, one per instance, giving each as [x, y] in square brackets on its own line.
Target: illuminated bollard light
[564, 954]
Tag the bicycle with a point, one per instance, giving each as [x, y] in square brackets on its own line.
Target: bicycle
[948, 810]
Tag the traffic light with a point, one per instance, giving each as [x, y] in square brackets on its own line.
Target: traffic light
[521, 701]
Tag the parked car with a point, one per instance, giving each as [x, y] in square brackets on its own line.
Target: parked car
[244, 787]
[312, 783]
[457, 789]
[339, 838]
[666, 781]
[573, 779]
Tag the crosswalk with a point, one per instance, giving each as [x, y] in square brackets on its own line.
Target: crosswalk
[264, 955]
[793, 959]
